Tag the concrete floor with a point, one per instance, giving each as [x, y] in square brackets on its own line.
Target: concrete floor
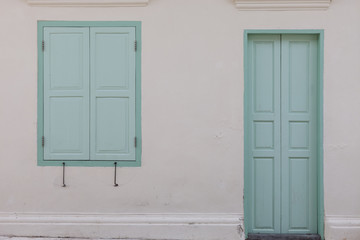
[44, 238]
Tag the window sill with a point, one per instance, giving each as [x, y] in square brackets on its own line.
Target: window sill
[91, 163]
[89, 3]
[282, 5]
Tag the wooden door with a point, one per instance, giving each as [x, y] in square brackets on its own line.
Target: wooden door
[282, 136]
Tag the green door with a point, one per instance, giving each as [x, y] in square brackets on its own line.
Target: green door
[282, 134]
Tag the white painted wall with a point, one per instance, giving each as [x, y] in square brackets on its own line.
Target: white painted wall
[191, 178]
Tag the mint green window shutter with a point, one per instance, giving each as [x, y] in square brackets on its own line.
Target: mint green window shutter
[112, 93]
[66, 93]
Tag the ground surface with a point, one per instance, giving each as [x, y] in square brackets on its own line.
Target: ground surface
[68, 238]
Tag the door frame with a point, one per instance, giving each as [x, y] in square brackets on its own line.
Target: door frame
[320, 177]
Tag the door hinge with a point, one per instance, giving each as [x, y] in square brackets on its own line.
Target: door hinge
[43, 45]
[135, 46]
[134, 141]
[43, 141]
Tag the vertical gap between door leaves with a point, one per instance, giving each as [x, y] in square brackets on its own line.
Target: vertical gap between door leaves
[89, 64]
[280, 87]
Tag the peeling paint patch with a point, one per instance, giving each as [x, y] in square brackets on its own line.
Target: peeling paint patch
[240, 231]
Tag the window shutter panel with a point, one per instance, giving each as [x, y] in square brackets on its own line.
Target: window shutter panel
[66, 93]
[112, 104]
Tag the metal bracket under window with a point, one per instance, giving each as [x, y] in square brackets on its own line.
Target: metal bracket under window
[64, 185]
[115, 184]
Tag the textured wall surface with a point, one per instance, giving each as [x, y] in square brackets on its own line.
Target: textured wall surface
[192, 114]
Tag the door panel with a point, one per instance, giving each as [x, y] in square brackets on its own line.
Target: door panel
[299, 133]
[298, 194]
[282, 117]
[264, 103]
[264, 193]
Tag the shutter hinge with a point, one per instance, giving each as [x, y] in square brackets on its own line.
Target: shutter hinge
[135, 46]
[43, 141]
[135, 142]
[43, 45]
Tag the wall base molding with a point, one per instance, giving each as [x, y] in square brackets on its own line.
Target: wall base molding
[124, 226]
[342, 227]
[151, 226]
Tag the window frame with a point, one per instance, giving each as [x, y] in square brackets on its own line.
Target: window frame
[40, 95]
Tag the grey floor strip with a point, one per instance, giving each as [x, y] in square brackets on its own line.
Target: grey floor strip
[283, 237]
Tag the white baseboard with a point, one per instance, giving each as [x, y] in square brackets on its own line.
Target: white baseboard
[124, 226]
[151, 226]
[342, 227]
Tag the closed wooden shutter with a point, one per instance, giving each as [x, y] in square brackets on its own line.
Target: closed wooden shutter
[112, 108]
[66, 93]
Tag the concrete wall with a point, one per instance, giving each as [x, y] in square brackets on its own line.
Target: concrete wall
[191, 180]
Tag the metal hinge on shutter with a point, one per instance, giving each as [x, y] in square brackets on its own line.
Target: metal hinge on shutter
[43, 45]
[43, 141]
[135, 46]
[135, 142]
